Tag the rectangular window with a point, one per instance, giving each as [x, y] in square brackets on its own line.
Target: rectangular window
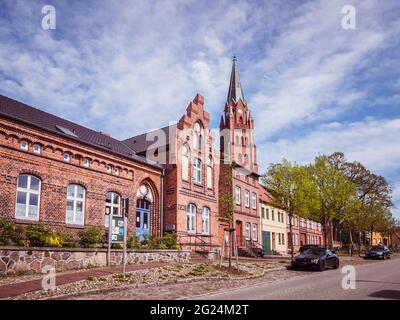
[191, 218]
[86, 163]
[237, 195]
[255, 233]
[67, 157]
[267, 213]
[197, 171]
[283, 238]
[247, 231]
[37, 148]
[273, 215]
[254, 201]
[205, 221]
[263, 213]
[24, 145]
[247, 198]
[28, 197]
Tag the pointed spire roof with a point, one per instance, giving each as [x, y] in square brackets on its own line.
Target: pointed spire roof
[235, 87]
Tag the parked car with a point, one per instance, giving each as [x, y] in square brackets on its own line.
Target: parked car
[307, 246]
[317, 258]
[378, 252]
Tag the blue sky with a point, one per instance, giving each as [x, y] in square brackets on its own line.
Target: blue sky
[129, 66]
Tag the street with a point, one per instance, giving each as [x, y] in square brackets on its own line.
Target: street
[379, 280]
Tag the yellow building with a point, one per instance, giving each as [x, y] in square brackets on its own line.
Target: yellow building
[273, 225]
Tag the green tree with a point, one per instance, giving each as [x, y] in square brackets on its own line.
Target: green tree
[290, 185]
[333, 193]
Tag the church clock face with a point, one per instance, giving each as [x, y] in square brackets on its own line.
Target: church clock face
[240, 111]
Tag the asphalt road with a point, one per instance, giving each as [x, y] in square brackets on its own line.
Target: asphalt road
[379, 280]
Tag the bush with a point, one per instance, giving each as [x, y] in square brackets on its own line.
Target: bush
[10, 234]
[67, 239]
[38, 235]
[170, 241]
[53, 241]
[133, 242]
[89, 237]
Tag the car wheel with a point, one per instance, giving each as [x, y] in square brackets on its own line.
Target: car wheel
[336, 265]
[321, 265]
[388, 256]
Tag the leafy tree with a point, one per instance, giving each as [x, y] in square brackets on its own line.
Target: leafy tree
[290, 185]
[334, 195]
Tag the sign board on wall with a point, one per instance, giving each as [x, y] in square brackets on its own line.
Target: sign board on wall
[117, 229]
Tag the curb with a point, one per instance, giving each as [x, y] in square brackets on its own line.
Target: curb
[138, 286]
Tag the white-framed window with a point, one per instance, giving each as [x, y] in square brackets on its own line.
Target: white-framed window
[75, 204]
[28, 197]
[279, 239]
[255, 232]
[237, 195]
[263, 212]
[267, 213]
[210, 170]
[254, 201]
[247, 231]
[109, 169]
[116, 171]
[205, 221]
[24, 145]
[197, 170]
[113, 205]
[191, 218]
[185, 162]
[273, 214]
[283, 239]
[246, 198]
[37, 148]
[67, 157]
[86, 163]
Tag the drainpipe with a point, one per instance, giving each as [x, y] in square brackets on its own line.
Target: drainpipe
[162, 204]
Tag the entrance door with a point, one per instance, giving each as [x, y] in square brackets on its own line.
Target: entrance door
[239, 230]
[143, 209]
[303, 238]
[266, 242]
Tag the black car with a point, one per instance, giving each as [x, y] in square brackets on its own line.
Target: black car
[317, 258]
[378, 252]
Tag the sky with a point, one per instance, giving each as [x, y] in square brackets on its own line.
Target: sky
[126, 67]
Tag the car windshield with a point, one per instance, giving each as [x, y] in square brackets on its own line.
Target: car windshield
[376, 248]
[314, 251]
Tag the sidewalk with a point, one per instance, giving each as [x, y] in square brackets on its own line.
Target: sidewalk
[11, 290]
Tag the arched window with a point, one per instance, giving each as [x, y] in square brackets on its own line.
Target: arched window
[246, 158]
[198, 136]
[197, 170]
[240, 120]
[75, 204]
[205, 221]
[185, 162]
[28, 197]
[113, 205]
[191, 218]
[209, 172]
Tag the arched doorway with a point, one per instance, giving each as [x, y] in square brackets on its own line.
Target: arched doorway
[143, 212]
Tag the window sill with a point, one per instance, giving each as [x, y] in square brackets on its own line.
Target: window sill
[26, 221]
[75, 226]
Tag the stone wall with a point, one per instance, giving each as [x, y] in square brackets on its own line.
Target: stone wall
[20, 260]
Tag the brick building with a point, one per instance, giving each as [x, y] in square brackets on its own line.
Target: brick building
[238, 176]
[58, 173]
[186, 152]
[304, 232]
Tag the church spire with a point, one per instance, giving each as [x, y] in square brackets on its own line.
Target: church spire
[235, 88]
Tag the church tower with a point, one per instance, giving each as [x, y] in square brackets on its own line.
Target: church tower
[238, 168]
[237, 127]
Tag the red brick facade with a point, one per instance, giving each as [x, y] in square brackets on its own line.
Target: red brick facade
[304, 232]
[181, 189]
[56, 174]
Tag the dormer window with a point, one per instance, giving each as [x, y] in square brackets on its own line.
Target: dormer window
[67, 157]
[24, 145]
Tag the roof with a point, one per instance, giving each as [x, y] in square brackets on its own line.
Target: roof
[264, 195]
[139, 143]
[235, 91]
[21, 112]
